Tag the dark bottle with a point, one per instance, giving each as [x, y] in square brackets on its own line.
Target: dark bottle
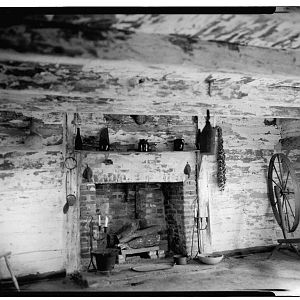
[78, 141]
[206, 136]
[198, 139]
[104, 140]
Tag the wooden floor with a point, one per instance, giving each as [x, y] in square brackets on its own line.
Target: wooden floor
[243, 273]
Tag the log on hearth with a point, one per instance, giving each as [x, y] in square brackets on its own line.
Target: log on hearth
[138, 233]
[144, 241]
[127, 230]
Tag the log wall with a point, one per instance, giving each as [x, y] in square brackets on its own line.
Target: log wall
[31, 193]
[32, 184]
[32, 224]
[290, 146]
[290, 142]
[241, 216]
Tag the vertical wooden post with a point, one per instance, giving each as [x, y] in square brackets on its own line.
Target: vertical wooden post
[72, 223]
[203, 194]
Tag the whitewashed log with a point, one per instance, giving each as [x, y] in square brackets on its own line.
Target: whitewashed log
[31, 199]
[125, 87]
[241, 215]
[33, 263]
[212, 42]
[31, 227]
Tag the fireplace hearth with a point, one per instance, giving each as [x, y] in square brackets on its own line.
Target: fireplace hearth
[154, 213]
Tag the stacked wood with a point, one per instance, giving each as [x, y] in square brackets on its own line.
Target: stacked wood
[144, 241]
[133, 238]
[138, 233]
[126, 231]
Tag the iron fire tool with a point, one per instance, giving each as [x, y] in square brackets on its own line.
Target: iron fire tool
[92, 237]
[198, 221]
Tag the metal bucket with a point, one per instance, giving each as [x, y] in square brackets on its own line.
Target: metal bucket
[106, 259]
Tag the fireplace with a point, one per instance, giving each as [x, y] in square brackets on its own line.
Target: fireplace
[125, 197]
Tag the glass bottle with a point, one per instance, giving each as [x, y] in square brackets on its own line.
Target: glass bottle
[198, 139]
[104, 140]
[206, 136]
[78, 141]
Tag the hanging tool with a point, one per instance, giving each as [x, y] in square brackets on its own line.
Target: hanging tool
[91, 247]
[187, 170]
[70, 164]
[198, 221]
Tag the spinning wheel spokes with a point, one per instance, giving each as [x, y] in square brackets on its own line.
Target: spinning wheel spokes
[284, 193]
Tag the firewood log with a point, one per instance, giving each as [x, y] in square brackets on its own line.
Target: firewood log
[138, 233]
[127, 230]
[144, 241]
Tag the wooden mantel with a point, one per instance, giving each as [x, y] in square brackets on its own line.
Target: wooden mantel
[132, 167]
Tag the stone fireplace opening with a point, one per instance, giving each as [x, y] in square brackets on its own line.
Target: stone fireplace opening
[157, 205]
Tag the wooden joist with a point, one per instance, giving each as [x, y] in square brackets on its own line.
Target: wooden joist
[124, 87]
[238, 43]
[231, 65]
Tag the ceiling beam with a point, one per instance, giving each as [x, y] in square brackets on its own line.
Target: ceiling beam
[52, 83]
[150, 48]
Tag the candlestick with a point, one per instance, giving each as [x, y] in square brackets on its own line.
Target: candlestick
[106, 221]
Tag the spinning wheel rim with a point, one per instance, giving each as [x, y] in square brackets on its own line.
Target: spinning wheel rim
[278, 189]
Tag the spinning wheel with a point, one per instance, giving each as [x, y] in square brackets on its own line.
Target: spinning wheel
[284, 195]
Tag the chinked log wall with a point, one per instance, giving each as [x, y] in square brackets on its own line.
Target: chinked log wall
[32, 193]
[290, 146]
[240, 216]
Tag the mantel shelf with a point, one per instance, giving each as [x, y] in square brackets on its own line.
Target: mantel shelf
[135, 152]
[124, 167]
